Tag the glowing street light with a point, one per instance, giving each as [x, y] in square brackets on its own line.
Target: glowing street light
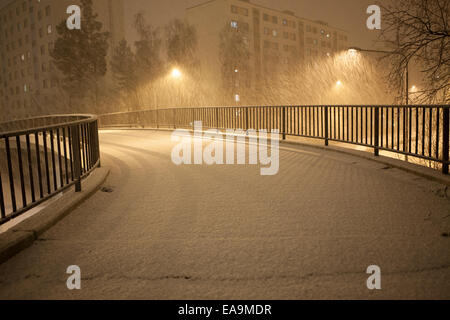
[339, 83]
[176, 73]
[352, 51]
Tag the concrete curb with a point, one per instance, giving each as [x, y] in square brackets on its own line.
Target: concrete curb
[418, 170]
[25, 233]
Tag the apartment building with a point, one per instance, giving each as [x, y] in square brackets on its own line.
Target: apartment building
[29, 82]
[276, 39]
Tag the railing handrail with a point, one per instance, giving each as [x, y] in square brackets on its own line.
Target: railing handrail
[400, 106]
[82, 118]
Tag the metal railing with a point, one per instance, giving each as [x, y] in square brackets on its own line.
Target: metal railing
[42, 157]
[418, 131]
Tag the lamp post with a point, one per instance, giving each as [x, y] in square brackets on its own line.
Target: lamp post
[356, 49]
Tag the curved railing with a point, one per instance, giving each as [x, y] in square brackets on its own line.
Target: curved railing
[41, 157]
[419, 131]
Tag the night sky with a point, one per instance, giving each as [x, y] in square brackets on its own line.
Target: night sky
[349, 15]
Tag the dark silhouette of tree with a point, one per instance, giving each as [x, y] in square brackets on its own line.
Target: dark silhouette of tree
[80, 55]
[148, 49]
[181, 46]
[124, 69]
[123, 66]
[418, 30]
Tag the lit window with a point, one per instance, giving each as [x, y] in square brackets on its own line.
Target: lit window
[49, 29]
[237, 98]
[274, 33]
[234, 24]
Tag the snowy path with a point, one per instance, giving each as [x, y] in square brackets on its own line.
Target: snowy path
[213, 232]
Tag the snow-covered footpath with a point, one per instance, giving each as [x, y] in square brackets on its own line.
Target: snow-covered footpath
[225, 231]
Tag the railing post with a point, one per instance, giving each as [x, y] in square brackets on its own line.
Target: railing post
[283, 123]
[174, 119]
[326, 126]
[97, 143]
[76, 157]
[217, 118]
[377, 131]
[157, 118]
[445, 141]
[193, 119]
[246, 118]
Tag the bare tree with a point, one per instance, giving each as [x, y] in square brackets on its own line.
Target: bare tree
[181, 46]
[123, 66]
[418, 30]
[148, 50]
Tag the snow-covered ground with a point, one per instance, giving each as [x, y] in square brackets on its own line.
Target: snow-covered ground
[219, 232]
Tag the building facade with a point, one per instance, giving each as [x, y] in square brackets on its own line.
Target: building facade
[277, 40]
[29, 82]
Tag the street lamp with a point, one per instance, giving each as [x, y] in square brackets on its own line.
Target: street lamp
[354, 50]
[176, 73]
